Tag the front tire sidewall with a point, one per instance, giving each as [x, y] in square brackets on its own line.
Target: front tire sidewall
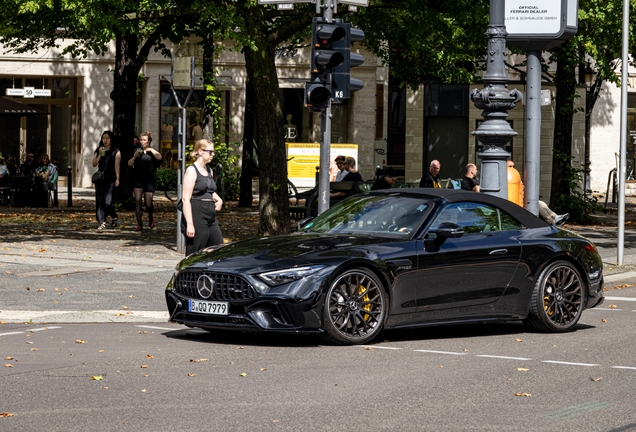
[538, 318]
[335, 335]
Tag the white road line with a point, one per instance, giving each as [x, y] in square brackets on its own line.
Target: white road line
[504, 357]
[30, 331]
[621, 299]
[380, 347]
[623, 367]
[157, 328]
[568, 363]
[440, 352]
[12, 333]
[605, 309]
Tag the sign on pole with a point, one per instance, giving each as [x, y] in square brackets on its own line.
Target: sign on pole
[182, 72]
[540, 24]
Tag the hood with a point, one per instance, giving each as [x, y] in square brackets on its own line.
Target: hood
[290, 250]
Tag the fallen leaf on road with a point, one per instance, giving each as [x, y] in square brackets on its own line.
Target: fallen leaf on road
[243, 374]
[34, 349]
[518, 340]
[523, 394]
[143, 391]
[368, 349]
[97, 378]
[603, 320]
[145, 375]
[131, 296]
[6, 414]
[143, 332]
[120, 314]
[3, 322]
[263, 369]
[275, 421]
[8, 365]
[149, 356]
[79, 341]
[596, 379]
[192, 375]
[612, 306]
[39, 290]
[144, 366]
[240, 347]
[124, 307]
[8, 358]
[523, 369]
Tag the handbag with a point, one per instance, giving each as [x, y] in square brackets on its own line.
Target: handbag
[98, 176]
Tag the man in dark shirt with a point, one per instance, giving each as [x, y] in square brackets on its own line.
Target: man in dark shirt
[350, 165]
[386, 181]
[431, 178]
[470, 182]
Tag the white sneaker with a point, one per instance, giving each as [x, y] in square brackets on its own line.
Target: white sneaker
[560, 219]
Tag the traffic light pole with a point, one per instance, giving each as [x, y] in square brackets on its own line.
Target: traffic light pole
[325, 133]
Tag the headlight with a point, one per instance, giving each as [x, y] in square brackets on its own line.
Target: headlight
[280, 277]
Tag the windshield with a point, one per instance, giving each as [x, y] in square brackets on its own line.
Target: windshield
[372, 214]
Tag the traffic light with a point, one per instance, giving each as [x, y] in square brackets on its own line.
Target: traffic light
[323, 59]
[342, 85]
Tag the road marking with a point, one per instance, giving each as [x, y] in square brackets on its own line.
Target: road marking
[621, 299]
[93, 316]
[577, 410]
[606, 309]
[504, 357]
[568, 363]
[440, 352]
[623, 367]
[30, 330]
[379, 347]
[157, 328]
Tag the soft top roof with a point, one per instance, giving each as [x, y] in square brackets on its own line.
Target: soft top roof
[452, 195]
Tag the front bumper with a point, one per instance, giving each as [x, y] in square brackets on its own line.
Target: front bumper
[596, 296]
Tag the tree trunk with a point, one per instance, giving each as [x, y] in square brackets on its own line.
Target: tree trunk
[247, 161]
[273, 194]
[565, 81]
[125, 95]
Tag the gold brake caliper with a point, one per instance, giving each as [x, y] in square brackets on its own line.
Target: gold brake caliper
[367, 307]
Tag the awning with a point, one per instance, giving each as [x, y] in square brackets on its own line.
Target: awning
[9, 108]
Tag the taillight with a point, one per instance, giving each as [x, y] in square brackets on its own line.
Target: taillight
[590, 247]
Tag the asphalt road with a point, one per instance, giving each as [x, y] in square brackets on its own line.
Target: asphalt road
[469, 377]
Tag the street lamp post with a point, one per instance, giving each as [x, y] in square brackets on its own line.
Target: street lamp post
[495, 100]
[589, 75]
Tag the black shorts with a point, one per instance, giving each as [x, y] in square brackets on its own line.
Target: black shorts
[146, 186]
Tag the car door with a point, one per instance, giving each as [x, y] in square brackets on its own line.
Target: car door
[472, 270]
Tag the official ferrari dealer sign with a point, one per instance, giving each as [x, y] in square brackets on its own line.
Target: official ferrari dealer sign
[533, 16]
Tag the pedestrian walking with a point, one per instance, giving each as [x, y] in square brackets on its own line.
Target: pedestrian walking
[107, 158]
[200, 201]
[144, 162]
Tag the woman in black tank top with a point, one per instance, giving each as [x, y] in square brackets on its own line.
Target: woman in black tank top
[200, 201]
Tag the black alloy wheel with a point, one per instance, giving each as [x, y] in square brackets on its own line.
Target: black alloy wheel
[355, 308]
[558, 299]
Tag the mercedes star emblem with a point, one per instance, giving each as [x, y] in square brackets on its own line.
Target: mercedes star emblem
[205, 286]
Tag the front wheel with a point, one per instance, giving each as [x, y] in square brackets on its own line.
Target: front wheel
[355, 308]
[557, 300]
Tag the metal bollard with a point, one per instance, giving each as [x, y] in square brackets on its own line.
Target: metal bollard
[69, 185]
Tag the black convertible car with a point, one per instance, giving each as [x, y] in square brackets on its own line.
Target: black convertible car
[393, 259]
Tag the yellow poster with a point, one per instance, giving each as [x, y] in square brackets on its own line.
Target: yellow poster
[304, 158]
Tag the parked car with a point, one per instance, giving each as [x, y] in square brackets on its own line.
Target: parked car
[392, 259]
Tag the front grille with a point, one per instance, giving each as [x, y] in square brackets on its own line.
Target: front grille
[226, 287]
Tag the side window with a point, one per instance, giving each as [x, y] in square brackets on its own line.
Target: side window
[476, 218]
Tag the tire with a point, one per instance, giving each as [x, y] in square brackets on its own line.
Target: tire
[558, 299]
[355, 308]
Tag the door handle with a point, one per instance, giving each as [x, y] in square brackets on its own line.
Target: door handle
[499, 252]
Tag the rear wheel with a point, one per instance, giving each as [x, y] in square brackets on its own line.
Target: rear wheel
[558, 299]
[355, 308]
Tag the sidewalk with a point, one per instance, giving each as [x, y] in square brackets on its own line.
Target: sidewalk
[65, 237]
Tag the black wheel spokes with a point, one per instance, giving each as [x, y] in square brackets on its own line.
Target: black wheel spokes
[562, 296]
[355, 305]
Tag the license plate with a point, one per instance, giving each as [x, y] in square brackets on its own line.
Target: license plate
[208, 307]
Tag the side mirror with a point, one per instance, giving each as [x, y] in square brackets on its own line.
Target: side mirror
[449, 230]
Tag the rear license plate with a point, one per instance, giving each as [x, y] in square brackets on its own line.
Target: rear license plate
[208, 307]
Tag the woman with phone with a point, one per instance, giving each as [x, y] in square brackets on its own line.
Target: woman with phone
[144, 162]
[107, 158]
